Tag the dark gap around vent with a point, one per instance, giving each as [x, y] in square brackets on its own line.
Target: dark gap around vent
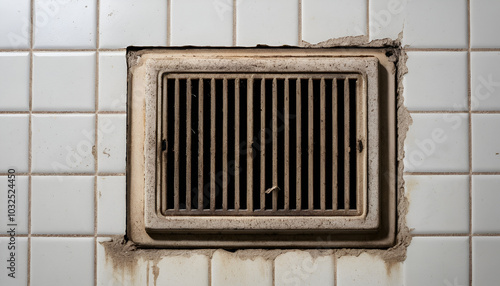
[256, 144]
[206, 143]
[281, 143]
[230, 144]
[194, 143]
[340, 136]
[170, 141]
[352, 144]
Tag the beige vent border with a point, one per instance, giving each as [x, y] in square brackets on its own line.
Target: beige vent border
[147, 227]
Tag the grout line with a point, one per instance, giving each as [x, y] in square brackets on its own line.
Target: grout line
[300, 24]
[30, 139]
[469, 98]
[235, 18]
[65, 174]
[63, 112]
[273, 272]
[96, 161]
[439, 234]
[368, 20]
[335, 265]
[434, 173]
[169, 22]
[436, 50]
[300, 38]
[452, 173]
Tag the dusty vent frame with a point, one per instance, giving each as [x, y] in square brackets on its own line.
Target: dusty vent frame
[155, 80]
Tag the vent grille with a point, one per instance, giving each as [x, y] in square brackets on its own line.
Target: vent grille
[261, 144]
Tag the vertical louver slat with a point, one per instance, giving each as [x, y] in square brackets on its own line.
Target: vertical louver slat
[188, 144]
[237, 144]
[200, 144]
[310, 145]
[346, 134]
[176, 147]
[287, 145]
[262, 144]
[275, 188]
[299, 145]
[250, 152]
[334, 146]
[212, 144]
[322, 145]
[224, 145]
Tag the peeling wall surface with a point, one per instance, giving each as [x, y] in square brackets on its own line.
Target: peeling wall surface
[63, 90]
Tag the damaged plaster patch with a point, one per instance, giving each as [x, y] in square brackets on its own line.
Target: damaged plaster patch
[123, 256]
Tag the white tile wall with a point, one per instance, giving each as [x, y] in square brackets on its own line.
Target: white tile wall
[354, 271]
[485, 81]
[62, 126]
[437, 261]
[300, 268]
[14, 81]
[62, 205]
[273, 22]
[64, 81]
[325, 19]
[65, 24]
[437, 204]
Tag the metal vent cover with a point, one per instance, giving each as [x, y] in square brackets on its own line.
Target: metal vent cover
[260, 148]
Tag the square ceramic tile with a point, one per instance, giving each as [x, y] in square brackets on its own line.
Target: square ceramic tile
[14, 81]
[213, 25]
[438, 204]
[15, 21]
[273, 22]
[353, 271]
[485, 142]
[228, 269]
[18, 275]
[112, 137]
[485, 261]
[436, 24]
[14, 143]
[112, 81]
[62, 205]
[326, 19]
[63, 143]
[111, 209]
[437, 261]
[111, 272]
[436, 81]
[300, 268]
[183, 270]
[148, 28]
[484, 23]
[19, 219]
[72, 257]
[65, 24]
[387, 18]
[485, 81]
[485, 198]
[64, 81]
[437, 143]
